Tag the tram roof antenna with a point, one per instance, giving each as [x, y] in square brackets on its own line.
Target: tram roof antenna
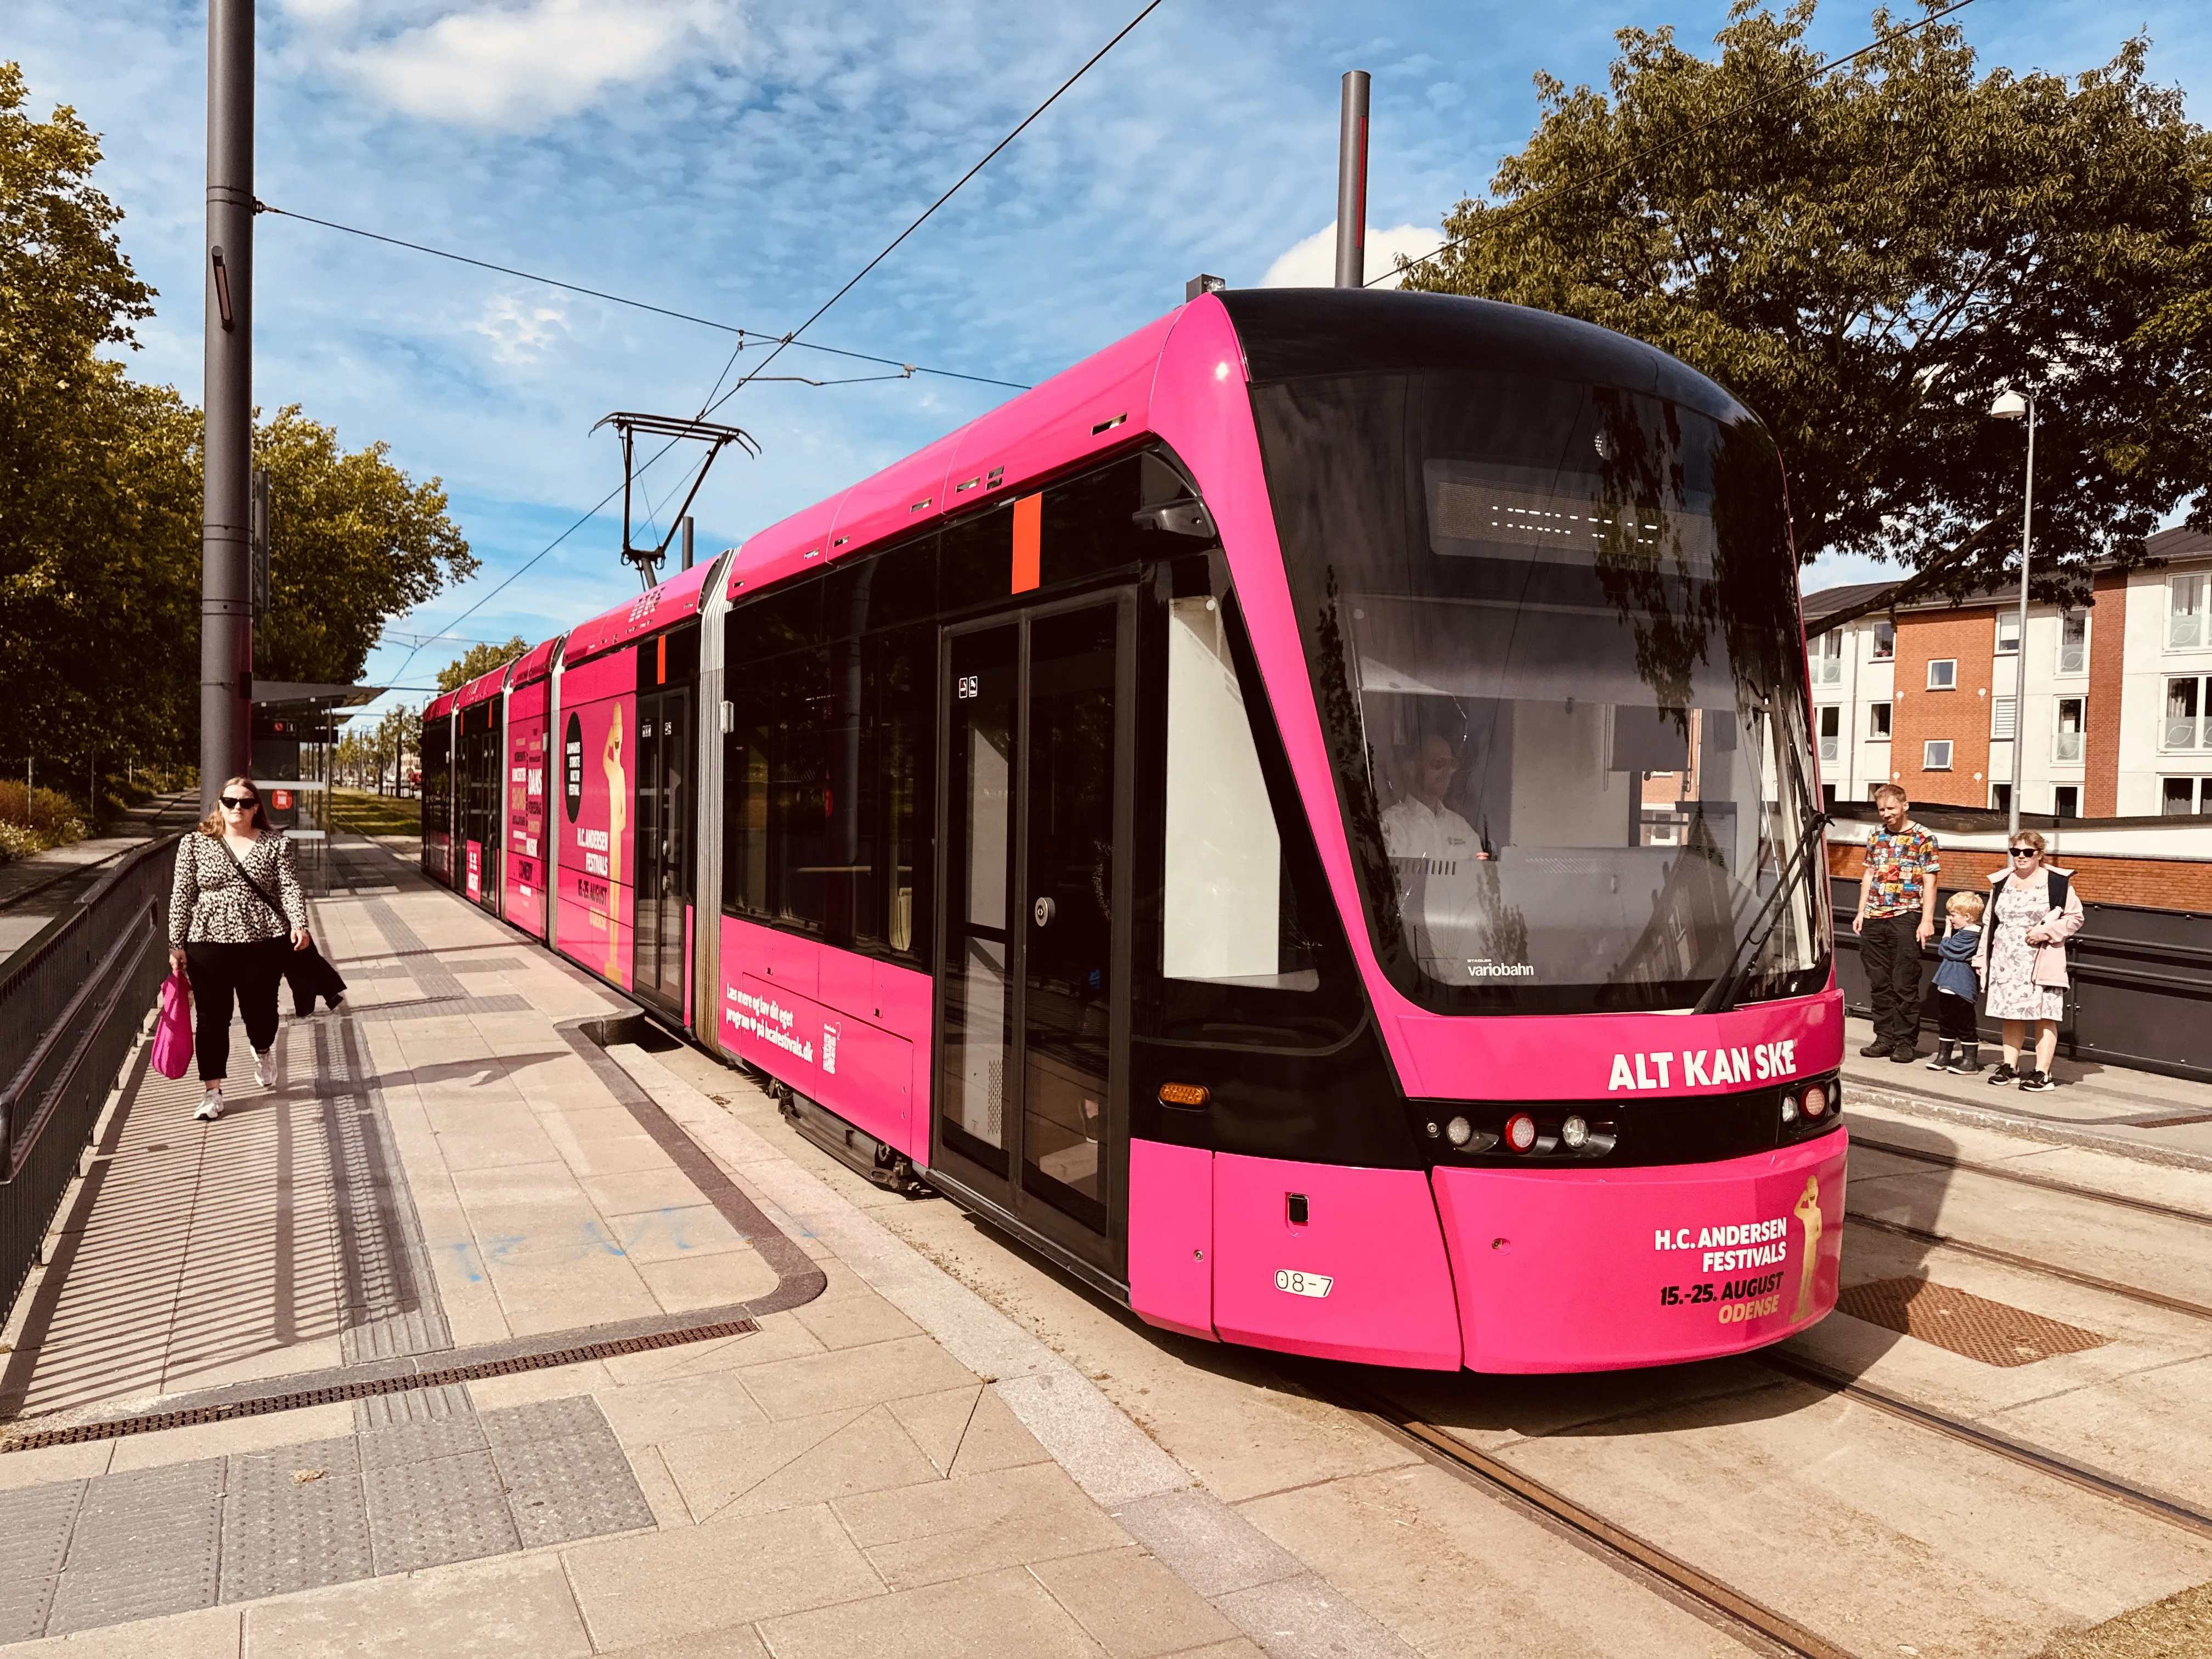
[715, 436]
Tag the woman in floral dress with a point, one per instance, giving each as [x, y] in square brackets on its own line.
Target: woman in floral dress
[2033, 911]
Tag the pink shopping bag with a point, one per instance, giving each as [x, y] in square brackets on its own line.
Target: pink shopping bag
[173, 1028]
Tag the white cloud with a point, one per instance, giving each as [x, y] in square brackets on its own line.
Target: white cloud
[521, 67]
[1312, 263]
[517, 330]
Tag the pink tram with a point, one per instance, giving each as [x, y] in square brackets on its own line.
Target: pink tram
[1305, 818]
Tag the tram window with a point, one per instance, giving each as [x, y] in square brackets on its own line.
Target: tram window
[1222, 911]
[744, 858]
[975, 560]
[1090, 522]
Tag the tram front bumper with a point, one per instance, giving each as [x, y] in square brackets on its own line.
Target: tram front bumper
[1574, 1270]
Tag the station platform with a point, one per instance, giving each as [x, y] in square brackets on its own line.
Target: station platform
[2108, 1108]
[511, 1326]
[488, 1334]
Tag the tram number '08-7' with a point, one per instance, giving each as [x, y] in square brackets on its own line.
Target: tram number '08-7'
[1302, 1283]
[1670, 1296]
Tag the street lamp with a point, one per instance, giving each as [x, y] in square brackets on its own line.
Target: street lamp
[2012, 406]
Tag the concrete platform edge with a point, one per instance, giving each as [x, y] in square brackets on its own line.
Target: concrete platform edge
[1943, 1111]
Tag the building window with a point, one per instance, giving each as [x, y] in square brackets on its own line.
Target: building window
[2074, 645]
[1828, 658]
[1936, 755]
[2066, 741]
[2185, 612]
[2004, 719]
[2001, 797]
[2184, 702]
[1885, 641]
[1830, 731]
[2184, 796]
[1878, 721]
[2066, 801]
[1943, 674]
[2008, 633]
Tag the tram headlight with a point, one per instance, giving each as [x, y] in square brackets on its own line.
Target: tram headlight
[1575, 1132]
[1520, 1132]
[1788, 1108]
[1459, 1132]
[1816, 1101]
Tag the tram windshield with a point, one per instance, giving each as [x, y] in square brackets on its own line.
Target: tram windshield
[1553, 636]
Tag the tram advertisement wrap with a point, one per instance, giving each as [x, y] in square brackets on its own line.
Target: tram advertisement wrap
[524, 868]
[596, 762]
[1573, 1270]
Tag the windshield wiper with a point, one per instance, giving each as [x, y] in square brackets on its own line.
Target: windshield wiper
[1720, 996]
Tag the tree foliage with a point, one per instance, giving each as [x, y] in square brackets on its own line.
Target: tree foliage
[1865, 258]
[101, 492]
[480, 659]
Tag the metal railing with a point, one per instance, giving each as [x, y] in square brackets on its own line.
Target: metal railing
[72, 1001]
[2142, 994]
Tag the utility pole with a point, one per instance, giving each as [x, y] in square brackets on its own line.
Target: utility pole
[226, 513]
[1352, 183]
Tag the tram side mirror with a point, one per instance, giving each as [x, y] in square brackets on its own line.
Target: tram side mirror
[1183, 518]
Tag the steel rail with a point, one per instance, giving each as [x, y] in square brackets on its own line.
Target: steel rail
[2030, 1264]
[2141, 1499]
[1944, 1160]
[1743, 1615]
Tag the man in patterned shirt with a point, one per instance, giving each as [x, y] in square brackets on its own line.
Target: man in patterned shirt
[1896, 917]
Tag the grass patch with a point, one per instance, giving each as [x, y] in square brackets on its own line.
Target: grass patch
[366, 813]
[2179, 1627]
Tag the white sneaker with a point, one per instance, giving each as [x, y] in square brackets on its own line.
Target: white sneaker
[268, 1070]
[211, 1106]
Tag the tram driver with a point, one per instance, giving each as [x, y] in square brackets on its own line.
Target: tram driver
[1436, 853]
[1419, 824]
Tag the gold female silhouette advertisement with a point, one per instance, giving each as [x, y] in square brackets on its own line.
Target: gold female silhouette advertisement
[617, 821]
[1808, 1217]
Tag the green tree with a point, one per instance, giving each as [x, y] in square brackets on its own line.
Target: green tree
[1867, 258]
[479, 659]
[352, 541]
[100, 494]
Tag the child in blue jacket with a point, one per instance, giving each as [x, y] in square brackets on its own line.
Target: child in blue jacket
[1956, 986]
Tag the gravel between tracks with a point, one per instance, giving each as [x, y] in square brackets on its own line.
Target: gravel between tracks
[2179, 1627]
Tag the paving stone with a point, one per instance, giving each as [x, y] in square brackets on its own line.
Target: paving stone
[146, 1542]
[35, 1522]
[442, 1509]
[284, 1532]
[419, 1442]
[570, 1483]
[575, 1414]
[23, 1604]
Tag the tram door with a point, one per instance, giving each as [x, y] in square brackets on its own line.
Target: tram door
[480, 796]
[1033, 979]
[664, 842]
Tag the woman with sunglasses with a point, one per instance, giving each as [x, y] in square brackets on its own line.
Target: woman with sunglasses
[2033, 911]
[235, 913]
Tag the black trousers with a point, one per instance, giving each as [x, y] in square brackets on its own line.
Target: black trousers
[1891, 956]
[1954, 1018]
[220, 974]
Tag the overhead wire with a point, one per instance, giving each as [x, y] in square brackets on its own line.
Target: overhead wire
[714, 400]
[889, 247]
[762, 335]
[1679, 139]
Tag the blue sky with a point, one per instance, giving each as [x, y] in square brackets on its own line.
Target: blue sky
[738, 161]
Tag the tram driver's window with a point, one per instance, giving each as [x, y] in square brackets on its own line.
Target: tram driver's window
[1224, 917]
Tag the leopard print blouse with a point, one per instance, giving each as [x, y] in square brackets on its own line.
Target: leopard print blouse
[209, 905]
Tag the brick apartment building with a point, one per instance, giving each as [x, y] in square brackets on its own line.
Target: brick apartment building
[2118, 716]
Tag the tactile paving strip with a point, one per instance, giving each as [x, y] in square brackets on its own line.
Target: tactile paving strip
[178, 1536]
[1993, 1332]
[366, 1387]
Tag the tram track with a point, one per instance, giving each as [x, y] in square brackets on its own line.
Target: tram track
[2043, 1184]
[2028, 1264]
[1758, 1625]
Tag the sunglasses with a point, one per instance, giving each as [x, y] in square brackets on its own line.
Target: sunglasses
[2024, 853]
[240, 803]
